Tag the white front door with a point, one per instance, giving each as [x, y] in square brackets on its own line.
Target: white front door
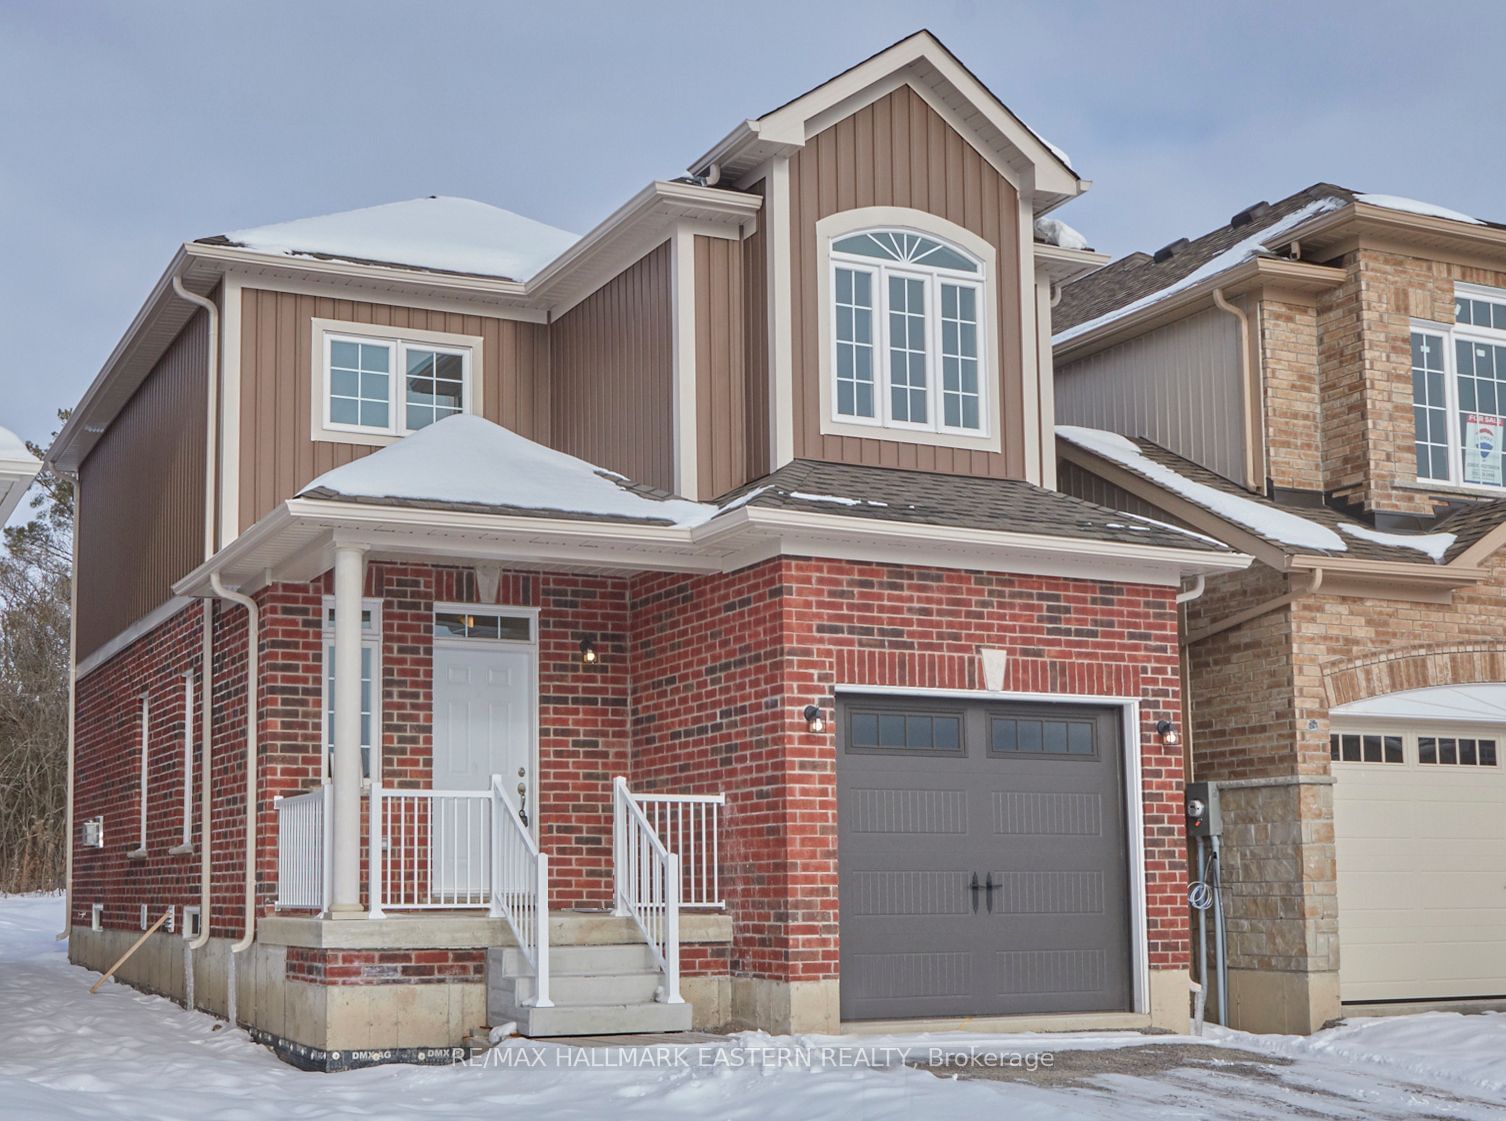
[484, 725]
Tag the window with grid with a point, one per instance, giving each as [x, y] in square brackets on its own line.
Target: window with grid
[1347, 747]
[1456, 751]
[907, 333]
[362, 393]
[1459, 392]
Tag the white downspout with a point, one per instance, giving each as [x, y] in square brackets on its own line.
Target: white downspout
[206, 771]
[253, 634]
[1199, 585]
[72, 724]
[1254, 462]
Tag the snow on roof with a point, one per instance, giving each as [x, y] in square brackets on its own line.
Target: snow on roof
[1251, 246]
[1434, 545]
[439, 232]
[1267, 521]
[465, 460]
[1414, 206]
[12, 447]
[1053, 231]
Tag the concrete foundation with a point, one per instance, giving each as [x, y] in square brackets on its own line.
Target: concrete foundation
[784, 1007]
[1267, 1001]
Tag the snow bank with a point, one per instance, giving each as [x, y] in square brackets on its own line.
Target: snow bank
[465, 459]
[1053, 231]
[1251, 246]
[1277, 525]
[453, 234]
[1434, 545]
[1415, 206]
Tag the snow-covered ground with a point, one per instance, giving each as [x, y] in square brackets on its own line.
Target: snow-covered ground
[65, 1054]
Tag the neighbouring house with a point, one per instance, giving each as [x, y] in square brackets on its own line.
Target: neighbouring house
[674, 625]
[1320, 384]
[18, 467]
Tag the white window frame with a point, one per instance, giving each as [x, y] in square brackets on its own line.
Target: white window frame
[470, 348]
[1450, 333]
[371, 639]
[883, 426]
[1412, 731]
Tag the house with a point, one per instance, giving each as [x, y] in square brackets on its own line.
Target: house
[670, 626]
[1316, 384]
[17, 469]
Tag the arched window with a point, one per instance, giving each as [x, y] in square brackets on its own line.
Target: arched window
[907, 335]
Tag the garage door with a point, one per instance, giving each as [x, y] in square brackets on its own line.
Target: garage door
[1420, 826]
[983, 859]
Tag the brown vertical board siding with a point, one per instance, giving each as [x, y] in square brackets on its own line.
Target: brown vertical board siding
[721, 367]
[141, 500]
[899, 152]
[611, 369]
[756, 343]
[278, 456]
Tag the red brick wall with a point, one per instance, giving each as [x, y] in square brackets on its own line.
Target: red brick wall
[714, 671]
[724, 664]
[383, 967]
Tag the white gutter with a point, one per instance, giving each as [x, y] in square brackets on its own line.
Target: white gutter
[1199, 586]
[253, 637]
[212, 396]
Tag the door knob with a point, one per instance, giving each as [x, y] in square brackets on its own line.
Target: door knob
[975, 887]
[988, 888]
[522, 801]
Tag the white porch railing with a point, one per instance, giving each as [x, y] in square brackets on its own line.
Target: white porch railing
[429, 849]
[690, 825]
[520, 888]
[304, 849]
[647, 885]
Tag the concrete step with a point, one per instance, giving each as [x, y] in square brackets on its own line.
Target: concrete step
[580, 988]
[602, 1019]
[618, 958]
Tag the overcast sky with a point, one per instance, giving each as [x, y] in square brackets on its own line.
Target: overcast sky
[127, 128]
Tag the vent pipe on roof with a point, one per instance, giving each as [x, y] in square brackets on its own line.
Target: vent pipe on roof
[1249, 214]
[1167, 252]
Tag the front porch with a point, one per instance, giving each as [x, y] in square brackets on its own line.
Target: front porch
[452, 869]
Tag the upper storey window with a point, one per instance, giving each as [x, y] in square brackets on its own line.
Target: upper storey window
[907, 333]
[376, 386]
[1459, 392]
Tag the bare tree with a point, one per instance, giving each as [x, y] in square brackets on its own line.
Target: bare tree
[35, 585]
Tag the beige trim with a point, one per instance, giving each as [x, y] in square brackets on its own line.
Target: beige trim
[781, 332]
[921, 57]
[848, 221]
[685, 424]
[319, 375]
[229, 442]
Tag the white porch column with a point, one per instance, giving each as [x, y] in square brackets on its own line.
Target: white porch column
[350, 581]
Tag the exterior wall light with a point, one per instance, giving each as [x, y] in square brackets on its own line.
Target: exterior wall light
[587, 651]
[813, 719]
[1167, 733]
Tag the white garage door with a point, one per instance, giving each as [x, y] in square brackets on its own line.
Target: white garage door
[1420, 825]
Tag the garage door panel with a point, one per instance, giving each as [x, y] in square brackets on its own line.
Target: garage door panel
[1046, 931]
[1421, 851]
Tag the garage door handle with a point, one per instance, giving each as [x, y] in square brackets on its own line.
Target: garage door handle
[989, 888]
[975, 887]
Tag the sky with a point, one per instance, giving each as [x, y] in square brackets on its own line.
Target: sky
[130, 127]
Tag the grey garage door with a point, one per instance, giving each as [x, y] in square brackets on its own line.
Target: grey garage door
[983, 859]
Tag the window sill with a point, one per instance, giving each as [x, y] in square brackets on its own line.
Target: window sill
[926, 437]
[1464, 490]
